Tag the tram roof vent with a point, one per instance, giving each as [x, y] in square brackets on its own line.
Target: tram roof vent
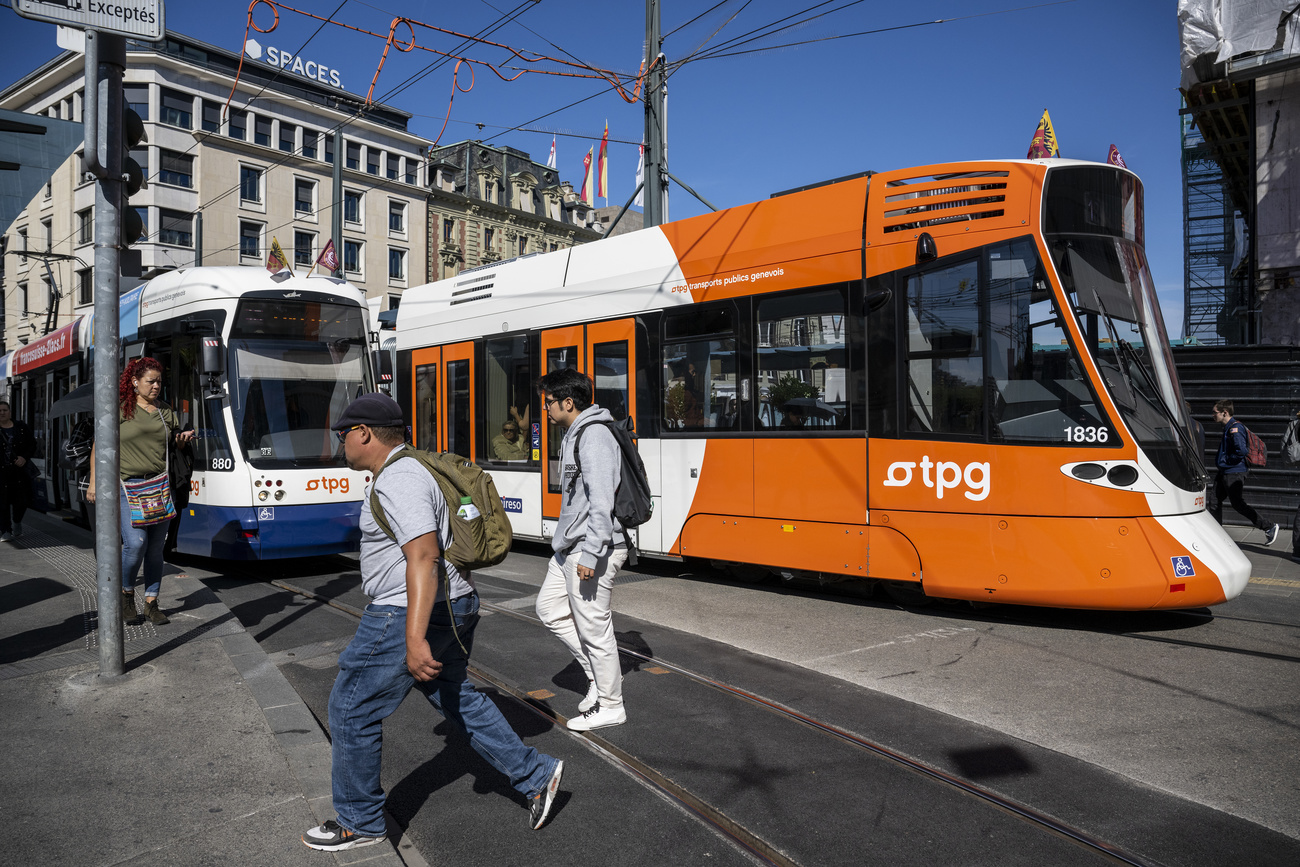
[475, 288]
[952, 198]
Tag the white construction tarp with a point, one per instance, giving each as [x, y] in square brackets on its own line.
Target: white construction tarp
[1226, 29]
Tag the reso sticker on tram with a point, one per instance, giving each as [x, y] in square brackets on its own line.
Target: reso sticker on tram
[1183, 567]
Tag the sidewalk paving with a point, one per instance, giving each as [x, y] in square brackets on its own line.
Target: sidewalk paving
[202, 753]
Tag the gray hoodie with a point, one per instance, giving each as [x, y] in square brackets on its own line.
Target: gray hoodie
[587, 521]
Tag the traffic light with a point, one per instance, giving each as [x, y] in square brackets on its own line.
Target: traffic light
[130, 227]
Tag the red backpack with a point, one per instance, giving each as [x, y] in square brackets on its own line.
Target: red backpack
[1256, 453]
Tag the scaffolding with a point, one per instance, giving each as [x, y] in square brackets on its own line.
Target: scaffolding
[1218, 212]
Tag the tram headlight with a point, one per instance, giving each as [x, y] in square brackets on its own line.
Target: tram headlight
[262, 495]
[279, 495]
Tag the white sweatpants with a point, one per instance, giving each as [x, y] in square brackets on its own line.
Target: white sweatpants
[579, 613]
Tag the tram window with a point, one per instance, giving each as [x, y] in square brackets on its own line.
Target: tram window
[945, 366]
[802, 361]
[557, 359]
[426, 407]
[610, 375]
[1040, 391]
[458, 408]
[508, 389]
[700, 385]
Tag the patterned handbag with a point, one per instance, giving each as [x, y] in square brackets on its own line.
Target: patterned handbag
[150, 500]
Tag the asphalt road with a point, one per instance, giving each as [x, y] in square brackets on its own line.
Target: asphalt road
[1168, 736]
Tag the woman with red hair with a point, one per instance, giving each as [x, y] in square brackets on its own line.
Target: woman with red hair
[146, 425]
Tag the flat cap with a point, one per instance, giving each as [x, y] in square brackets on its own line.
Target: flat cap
[375, 410]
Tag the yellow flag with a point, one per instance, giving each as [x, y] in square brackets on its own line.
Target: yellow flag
[1044, 141]
[275, 260]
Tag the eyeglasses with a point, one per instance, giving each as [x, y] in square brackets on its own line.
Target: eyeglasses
[343, 434]
[550, 400]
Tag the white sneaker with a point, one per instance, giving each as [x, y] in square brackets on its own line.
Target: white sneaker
[6, 537]
[1270, 535]
[598, 718]
[589, 701]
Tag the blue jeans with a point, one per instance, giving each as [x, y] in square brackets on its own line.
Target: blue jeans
[372, 682]
[141, 544]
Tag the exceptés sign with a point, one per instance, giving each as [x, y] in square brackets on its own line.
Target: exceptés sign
[142, 19]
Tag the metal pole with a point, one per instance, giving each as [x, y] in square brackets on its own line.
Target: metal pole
[198, 239]
[105, 61]
[336, 213]
[654, 118]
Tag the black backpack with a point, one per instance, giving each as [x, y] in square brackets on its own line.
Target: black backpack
[633, 504]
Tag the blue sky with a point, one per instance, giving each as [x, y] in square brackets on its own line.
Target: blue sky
[742, 127]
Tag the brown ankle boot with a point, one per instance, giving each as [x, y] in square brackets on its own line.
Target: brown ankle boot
[154, 614]
[128, 607]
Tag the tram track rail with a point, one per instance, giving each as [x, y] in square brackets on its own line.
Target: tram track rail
[748, 842]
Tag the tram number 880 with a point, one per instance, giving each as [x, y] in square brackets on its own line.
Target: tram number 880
[223, 463]
[1082, 434]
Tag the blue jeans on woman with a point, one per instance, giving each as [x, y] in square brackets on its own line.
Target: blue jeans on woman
[141, 544]
[373, 681]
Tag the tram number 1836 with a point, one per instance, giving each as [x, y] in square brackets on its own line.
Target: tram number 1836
[1086, 434]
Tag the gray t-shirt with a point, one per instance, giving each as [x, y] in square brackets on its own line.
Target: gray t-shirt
[413, 505]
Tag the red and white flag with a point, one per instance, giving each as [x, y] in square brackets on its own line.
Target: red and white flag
[588, 182]
[1115, 159]
[602, 173]
[640, 177]
[328, 257]
[550, 161]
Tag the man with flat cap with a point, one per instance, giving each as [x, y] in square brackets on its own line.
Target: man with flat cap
[407, 638]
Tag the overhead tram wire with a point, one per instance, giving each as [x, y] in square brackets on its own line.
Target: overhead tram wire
[404, 85]
[702, 14]
[723, 52]
[765, 30]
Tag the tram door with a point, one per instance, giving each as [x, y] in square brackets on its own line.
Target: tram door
[605, 351]
[443, 415]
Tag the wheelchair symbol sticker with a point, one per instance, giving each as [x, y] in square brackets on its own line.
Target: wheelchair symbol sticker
[266, 514]
[1183, 567]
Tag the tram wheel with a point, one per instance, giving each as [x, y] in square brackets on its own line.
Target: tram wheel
[748, 573]
[906, 593]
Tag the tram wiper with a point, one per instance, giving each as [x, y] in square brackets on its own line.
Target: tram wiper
[1184, 436]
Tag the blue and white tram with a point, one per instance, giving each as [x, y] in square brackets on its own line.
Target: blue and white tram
[284, 355]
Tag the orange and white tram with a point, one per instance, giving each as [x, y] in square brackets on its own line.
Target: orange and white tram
[952, 379]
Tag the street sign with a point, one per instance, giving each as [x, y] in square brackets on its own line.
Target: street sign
[142, 19]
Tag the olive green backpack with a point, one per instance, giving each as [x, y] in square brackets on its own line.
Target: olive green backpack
[477, 542]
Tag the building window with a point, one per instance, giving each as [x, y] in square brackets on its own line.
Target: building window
[394, 164]
[288, 137]
[351, 207]
[372, 160]
[448, 228]
[22, 244]
[22, 297]
[396, 264]
[353, 160]
[489, 235]
[136, 97]
[211, 116]
[143, 214]
[309, 137]
[175, 169]
[141, 156]
[329, 148]
[410, 171]
[522, 245]
[86, 286]
[394, 301]
[47, 233]
[304, 196]
[352, 257]
[175, 228]
[86, 226]
[177, 109]
[397, 217]
[250, 239]
[262, 130]
[250, 184]
[304, 243]
[238, 124]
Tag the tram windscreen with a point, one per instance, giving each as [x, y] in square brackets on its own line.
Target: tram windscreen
[1093, 226]
[293, 367]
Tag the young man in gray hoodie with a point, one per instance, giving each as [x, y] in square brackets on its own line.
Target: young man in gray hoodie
[589, 549]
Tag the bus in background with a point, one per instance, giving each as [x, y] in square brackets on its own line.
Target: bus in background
[953, 380]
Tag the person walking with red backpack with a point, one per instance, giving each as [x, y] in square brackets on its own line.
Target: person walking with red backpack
[1231, 479]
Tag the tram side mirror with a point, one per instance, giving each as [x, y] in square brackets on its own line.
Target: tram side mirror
[926, 250]
[877, 299]
[213, 364]
[383, 368]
